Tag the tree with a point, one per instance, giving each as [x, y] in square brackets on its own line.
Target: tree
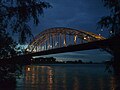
[7, 46]
[111, 22]
[15, 15]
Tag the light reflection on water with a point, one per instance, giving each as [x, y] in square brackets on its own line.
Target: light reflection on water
[66, 77]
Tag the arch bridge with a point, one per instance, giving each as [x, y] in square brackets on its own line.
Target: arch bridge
[60, 37]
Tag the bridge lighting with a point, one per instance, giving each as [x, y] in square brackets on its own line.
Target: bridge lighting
[27, 50]
[75, 38]
[34, 50]
[28, 69]
[64, 40]
[64, 43]
[85, 38]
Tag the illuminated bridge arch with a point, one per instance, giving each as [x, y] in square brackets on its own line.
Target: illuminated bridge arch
[60, 37]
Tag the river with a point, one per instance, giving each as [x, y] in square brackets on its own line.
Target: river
[66, 77]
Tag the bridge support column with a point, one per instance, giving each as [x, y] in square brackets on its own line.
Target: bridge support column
[75, 39]
[39, 48]
[53, 41]
[65, 40]
[69, 39]
[49, 42]
[57, 40]
[60, 41]
[52, 38]
[46, 45]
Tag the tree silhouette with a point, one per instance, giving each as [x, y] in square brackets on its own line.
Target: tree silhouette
[7, 46]
[15, 15]
[111, 22]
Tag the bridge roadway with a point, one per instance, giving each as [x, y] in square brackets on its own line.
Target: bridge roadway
[103, 44]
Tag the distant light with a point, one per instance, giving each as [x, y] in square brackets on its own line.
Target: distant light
[85, 38]
[28, 50]
[99, 34]
[28, 69]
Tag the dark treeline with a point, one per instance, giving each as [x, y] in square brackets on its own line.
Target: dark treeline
[52, 60]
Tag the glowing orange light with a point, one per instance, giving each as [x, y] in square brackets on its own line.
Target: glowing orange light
[28, 69]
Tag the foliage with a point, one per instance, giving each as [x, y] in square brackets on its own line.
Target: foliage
[7, 46]
[15, 15]
[111, 22]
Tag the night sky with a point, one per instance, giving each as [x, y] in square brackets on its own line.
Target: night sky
[77, 14]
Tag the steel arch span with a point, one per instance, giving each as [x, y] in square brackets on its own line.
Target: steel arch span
[60, 37]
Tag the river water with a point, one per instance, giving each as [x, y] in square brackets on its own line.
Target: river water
[67, 77]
